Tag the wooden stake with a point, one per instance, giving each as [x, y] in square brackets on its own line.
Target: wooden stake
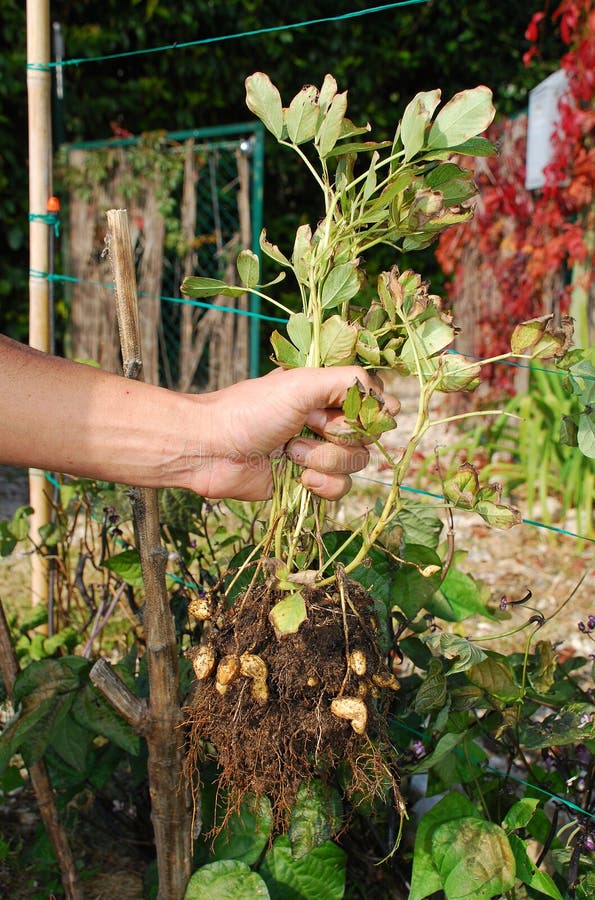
[170, 797]
[40, 778]
[40, 189]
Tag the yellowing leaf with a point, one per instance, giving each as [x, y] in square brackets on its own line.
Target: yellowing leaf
[264, 100]
[337, 342]
[465, 116]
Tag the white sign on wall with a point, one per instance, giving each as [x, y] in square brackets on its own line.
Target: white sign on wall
[543, 118]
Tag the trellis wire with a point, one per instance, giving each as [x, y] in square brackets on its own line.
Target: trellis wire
[182, 45]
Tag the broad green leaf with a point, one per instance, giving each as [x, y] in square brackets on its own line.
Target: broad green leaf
[246, 833]
[475, 146]
[315, 817]
[337, 342]
[7, 540]
[127, 566]
[341, 284]
[425, 879]
[319, 874]
[528, 873]
[201, 286]
[248, 268]
[585, 436]
[272, 250]
[50, 676]
[264, 100]
[461, 489]
[410, 590]
[520, 814]
[495, 676]
[329, 129]
[478, 875]
[415, 119]
[19, 524]
[92, 711]
[428, 338]
[72, 743]
[455, 184]
[357, 147]
[420, 525]
[302, 115]
[302, 250]
[226, 879]
[299, 329]
[569, 431]
[288, 614]
[433, 691]
[286, 354]
[463, 595]
[452, 646]
[465, 116]
[327, 92]
[573, 724]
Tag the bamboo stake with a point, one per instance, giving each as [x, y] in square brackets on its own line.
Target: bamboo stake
[170, 798]
[40, 778]
[40, 189]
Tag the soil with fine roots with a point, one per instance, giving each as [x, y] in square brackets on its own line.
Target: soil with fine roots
[277, 721]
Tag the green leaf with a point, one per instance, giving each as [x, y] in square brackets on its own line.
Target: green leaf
[571, 725]
[286, 354]
[19, 524]
[585, 437]
[410, 590]
[463, 595]
[433, 691]
[272, 250]
[319, 874]
[127, 566]
[455, 184]
[92, 711]
[452, 646]
[498, 515]
[520, 814]
[330, 128]
[428, 337]
[542, 672]
[337, 342]
[528, 873]
[457, 373]
[425, 879]
[465, 116]
[226, 879]
[288, 614]
[315, 817]
[264, 100]
[248, 268]
[475, 146]
[367, 348]
[201, 286]
[415, 119]
[341, 284]
[299, 329]
[495, 676]
[302, 115]
[420, 525]
[72, 743]
[353, 401]
[478, 875]
[302, 251]
[246, 833]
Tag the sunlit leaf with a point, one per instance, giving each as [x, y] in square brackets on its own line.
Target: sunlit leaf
[299, 329]
[248, 268]
[495, 676]
[415, 119]
[337, 342]
[425, 879]
[488, 871]
[272, 250]
[341, 284]
[288, 614]
[329, 129]
[302, 250]
[465, 116]
[302, 115]
[264, 100]
[201, 286]
[528, 873]
[126, 565]
[286, 355]
[226, 879]
[320, 873]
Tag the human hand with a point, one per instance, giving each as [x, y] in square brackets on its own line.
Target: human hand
[250, 422]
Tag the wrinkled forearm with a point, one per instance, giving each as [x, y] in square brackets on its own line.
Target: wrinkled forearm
[68, 417]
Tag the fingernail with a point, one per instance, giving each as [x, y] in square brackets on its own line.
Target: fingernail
[298, 451]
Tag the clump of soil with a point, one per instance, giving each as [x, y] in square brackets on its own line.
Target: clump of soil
[280, 710]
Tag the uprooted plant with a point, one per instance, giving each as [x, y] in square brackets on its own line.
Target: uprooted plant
[293, 673]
